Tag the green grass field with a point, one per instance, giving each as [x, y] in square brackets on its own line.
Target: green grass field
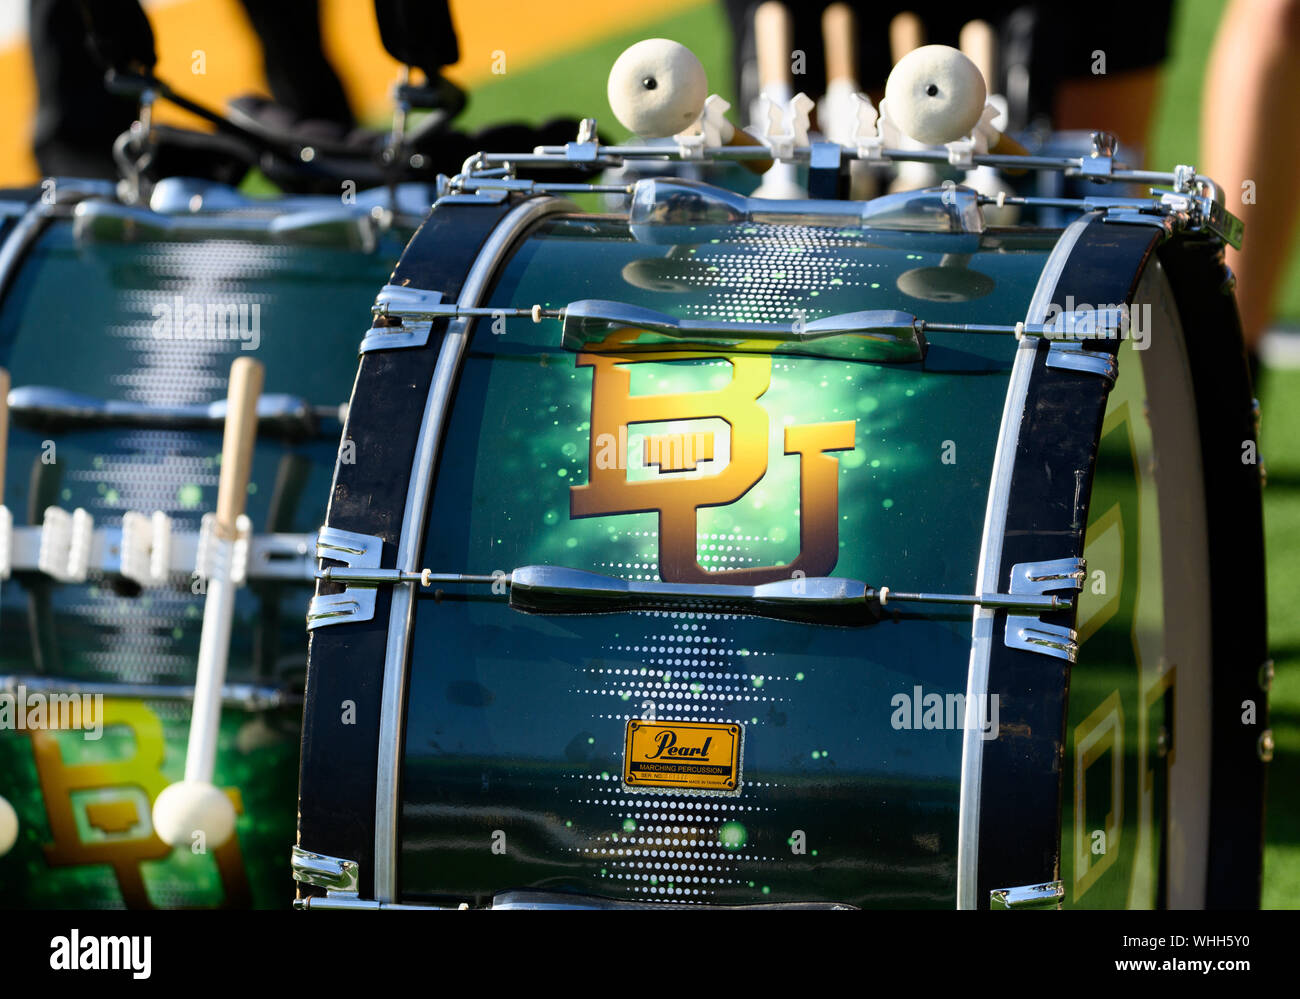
[574, 84]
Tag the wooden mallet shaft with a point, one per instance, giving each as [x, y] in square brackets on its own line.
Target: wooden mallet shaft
[773, 42]
[246, 378]
[238, 440]
[906, 32]
[978, 42]
[840, 45]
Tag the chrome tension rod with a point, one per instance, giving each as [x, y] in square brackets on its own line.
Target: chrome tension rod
[590, 320]
[544, 589]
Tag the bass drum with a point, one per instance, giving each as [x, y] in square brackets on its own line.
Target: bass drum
[118, 325]
[696, 715]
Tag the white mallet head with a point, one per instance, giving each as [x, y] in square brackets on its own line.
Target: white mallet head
[657, 88]
[8, 827]
[935, 94]
[191, 806]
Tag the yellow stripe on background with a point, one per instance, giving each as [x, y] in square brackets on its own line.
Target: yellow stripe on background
[528, 32]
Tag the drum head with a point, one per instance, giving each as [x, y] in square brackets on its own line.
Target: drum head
[1140, 694]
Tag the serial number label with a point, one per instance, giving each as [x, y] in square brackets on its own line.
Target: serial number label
[692, 756]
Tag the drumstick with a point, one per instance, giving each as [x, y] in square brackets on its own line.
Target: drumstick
[906, 34]
[8, 817]
[840, 44]
[194, 804]
[773, 42]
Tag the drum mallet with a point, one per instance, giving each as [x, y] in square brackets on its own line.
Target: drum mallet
[978, 41]
[937, 95]
[8, 817]
[658, 88]
[773, 42]
[839, 42]
[195, 804]
[837, 111]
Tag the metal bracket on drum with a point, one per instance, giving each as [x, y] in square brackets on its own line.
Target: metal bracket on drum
[331, 873]
[1181, 212]
[357, 601]
[1072, 329]
[1048, 895]
[1066, 356]
[341, 880]
[409, 306]
[1031, 634]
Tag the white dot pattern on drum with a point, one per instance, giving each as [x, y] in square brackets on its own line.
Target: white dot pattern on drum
[137, 296]
[688, 672]
[140, 637]
[771, 272]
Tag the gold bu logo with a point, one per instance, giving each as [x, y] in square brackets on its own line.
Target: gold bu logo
[676, 499]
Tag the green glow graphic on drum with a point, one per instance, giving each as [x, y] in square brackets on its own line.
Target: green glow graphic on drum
[540, 760]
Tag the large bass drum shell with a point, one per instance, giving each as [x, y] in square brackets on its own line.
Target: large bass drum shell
[481, 754]
[106, 329]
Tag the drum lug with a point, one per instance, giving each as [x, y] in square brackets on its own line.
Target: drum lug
[406, 332]
[1070, 356]
[414, 333]
[1045, 577]
[355, 603]
[1266, 673]
[1266, 745]
[1031, 634]
[341, 880]
[1047, 895]
[335, 875]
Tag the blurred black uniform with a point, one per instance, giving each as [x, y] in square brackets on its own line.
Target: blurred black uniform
[73, 42]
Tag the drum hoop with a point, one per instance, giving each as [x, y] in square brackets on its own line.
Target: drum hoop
[504, 238]
[990, 560]
[22, 238]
